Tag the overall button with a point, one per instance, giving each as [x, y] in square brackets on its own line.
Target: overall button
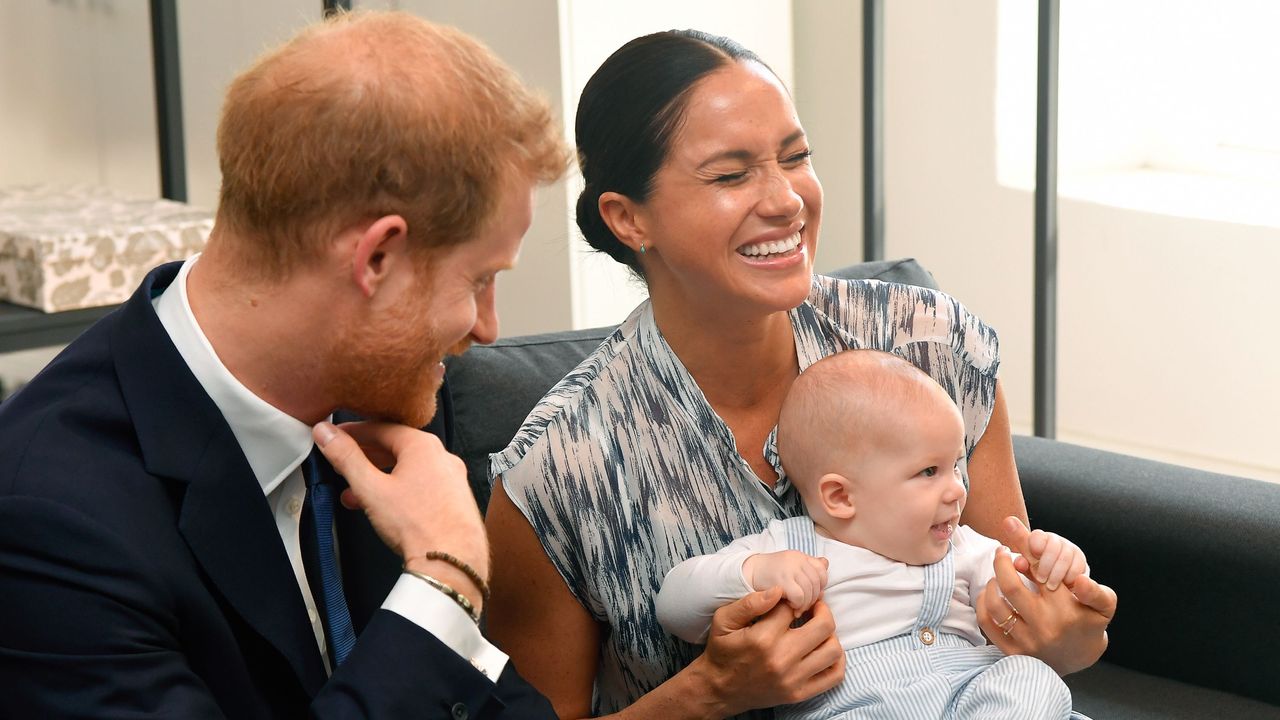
[926, 636]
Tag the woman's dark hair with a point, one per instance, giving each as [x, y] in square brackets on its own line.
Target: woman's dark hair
[628, 113]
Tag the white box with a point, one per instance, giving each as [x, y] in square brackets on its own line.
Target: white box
[63, 248]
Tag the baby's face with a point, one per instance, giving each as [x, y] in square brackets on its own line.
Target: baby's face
[908, 490]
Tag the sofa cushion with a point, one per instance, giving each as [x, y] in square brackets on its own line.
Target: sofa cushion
[1193, 555]
[1110, 692]
[495, 386]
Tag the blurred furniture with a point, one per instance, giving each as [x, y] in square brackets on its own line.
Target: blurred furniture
[24, 328]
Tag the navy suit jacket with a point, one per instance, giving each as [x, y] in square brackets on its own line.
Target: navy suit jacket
[141, 572]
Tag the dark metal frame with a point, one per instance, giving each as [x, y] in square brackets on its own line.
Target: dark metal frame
[1045, 318]
[1046, 222]
[168, 83]
[872, 130]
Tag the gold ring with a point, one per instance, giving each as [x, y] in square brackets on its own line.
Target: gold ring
[1009, 629]
[1002, 623]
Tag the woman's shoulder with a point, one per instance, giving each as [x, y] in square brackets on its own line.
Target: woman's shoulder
[889, 315]
[850, 298]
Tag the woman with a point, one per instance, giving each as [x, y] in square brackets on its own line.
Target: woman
[661, 445]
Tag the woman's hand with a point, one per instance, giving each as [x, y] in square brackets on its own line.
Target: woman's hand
[1066, 628]
[755, 659]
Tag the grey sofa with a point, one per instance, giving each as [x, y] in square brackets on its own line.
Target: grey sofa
[1194, 556]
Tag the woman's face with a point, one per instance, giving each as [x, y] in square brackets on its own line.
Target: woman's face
[732, 221]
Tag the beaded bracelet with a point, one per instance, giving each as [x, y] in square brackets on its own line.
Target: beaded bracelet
[466, 569]
[454, 595]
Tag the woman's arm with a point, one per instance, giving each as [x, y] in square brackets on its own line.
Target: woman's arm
[555, 643]
[1067, 633]
[994, 490]
[535, 619]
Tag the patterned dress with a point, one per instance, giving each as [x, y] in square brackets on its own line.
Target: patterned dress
[624, 470]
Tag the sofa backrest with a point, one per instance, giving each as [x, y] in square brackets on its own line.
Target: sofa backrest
[493, 387]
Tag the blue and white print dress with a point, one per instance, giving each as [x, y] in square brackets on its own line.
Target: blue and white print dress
[624, 470]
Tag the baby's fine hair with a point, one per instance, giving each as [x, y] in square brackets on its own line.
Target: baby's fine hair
[839, 402]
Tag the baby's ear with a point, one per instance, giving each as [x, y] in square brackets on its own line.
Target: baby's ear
[836, 493]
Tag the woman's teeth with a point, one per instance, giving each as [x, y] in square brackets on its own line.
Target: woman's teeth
[773, 247]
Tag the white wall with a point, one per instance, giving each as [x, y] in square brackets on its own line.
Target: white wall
[828, 95]
[1165, 347]
[76, 98]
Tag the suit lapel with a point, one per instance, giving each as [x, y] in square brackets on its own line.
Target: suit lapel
[224, 515]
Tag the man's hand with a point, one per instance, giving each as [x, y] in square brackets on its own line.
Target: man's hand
[755, 659]
[424, 503]
[801, 577]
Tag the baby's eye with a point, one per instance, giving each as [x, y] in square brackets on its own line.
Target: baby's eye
[930, 471]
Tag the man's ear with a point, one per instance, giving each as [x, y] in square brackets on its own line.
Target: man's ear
[835, 492]
[379, 248]
[620, 214]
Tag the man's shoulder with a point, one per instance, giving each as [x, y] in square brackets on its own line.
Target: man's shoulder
[68, 428]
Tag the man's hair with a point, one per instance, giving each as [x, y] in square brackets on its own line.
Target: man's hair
[839, 407]
[370, 114]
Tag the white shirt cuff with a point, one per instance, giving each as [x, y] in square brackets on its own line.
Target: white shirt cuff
[435, 612]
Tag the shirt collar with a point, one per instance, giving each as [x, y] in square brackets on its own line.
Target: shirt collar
[273, 442]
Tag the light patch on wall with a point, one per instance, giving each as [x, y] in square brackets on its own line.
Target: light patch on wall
[1164, 106]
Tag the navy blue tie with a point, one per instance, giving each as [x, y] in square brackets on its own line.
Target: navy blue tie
[342, 636]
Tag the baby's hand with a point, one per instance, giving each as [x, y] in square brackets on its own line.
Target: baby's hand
[1053, 559]
[800, 576]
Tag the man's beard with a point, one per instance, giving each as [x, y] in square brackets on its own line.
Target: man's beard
[388, 371]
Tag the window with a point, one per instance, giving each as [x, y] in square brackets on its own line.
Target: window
[1166, 107]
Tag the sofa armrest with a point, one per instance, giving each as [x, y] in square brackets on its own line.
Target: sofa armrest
[1194, 557]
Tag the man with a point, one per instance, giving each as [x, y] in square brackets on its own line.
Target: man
[165, 542]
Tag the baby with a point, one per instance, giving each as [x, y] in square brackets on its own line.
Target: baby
[876, 450]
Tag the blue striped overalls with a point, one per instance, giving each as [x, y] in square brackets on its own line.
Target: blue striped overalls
[929, 674]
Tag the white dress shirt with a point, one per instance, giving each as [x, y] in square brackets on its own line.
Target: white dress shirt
[276, 444]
